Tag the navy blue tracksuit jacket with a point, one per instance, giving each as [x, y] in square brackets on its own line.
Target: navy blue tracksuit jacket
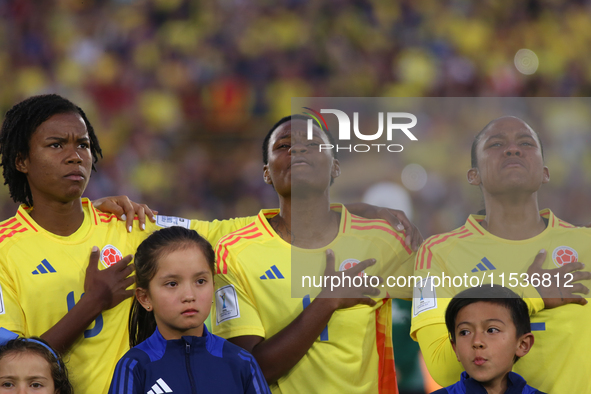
[191, 365]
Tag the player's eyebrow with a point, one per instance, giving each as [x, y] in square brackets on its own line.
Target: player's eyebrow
[497, 320]
[169, 276]
[65, 139]
[282, 138]
[487, 320]
[205, 272]
[503, 135]
[497, 136]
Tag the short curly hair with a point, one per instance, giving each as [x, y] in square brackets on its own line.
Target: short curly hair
[20, 123]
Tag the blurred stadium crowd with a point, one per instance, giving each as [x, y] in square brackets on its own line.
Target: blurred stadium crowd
[181, 92]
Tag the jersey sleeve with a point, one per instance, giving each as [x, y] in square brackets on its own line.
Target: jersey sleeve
[216, 229]
[128, 377]
[428, 316]
[429, 300]
[398, 269]
[12, 316]
[438, 353]
[212, 231]
[235, 311]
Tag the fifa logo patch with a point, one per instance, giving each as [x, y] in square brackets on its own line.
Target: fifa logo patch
[564, 255]
[110, 255]
[350, 263]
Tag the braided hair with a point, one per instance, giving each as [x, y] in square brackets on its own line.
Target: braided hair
[19, 125]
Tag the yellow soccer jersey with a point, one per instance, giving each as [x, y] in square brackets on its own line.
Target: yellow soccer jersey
[562, 335]
[42, 277]
[253, 297]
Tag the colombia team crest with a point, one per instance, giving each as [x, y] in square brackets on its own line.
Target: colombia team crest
[350, 263]
[563, 255]
[110, 255]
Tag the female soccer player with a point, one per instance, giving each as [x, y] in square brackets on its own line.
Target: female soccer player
[507, 165]
[49, 288]
[335, 341]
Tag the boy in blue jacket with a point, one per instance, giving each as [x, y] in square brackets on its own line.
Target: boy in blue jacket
[490, 330]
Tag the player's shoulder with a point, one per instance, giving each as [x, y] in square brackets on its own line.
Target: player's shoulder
[379, 228]
[555, 222]
[13, 230]
[253, 233]
[105, 219]
[376, 227]
[448, 239]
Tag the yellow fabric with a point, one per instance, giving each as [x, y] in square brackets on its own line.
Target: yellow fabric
[32, 303]
[561, 346]
[344, 360]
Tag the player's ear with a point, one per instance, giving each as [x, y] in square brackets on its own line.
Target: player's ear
[143, 298]
[473, 176]
[524, 344]
[266, 175]
[336, 168]
[546, 175]
[21, 163]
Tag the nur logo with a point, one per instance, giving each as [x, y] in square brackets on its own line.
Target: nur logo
[345, 129]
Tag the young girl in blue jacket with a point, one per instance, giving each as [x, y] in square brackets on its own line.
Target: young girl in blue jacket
[172, 351]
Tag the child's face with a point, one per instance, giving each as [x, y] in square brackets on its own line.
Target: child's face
[25, 372]
[486, 342]
[180, 293]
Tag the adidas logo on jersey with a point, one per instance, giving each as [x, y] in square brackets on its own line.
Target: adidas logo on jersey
[273, 273]
[484, 266]
[160, 387]
[44, 268]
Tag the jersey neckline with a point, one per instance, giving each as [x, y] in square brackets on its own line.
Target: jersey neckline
[79, 236]
[473, 223]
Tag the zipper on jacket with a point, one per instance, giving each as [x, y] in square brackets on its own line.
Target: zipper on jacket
[188, 365]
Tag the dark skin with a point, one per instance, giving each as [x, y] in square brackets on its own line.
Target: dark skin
[510, 172]
[301, 176]
[58, 169]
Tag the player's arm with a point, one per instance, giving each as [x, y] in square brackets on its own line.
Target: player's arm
[279, 353]
[12, 316]
[438, 353]
[102, 290]
[428, 319]
[396, 218]
[125, 209]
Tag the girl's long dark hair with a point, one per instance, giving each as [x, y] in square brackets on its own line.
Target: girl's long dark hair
[141, 322]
